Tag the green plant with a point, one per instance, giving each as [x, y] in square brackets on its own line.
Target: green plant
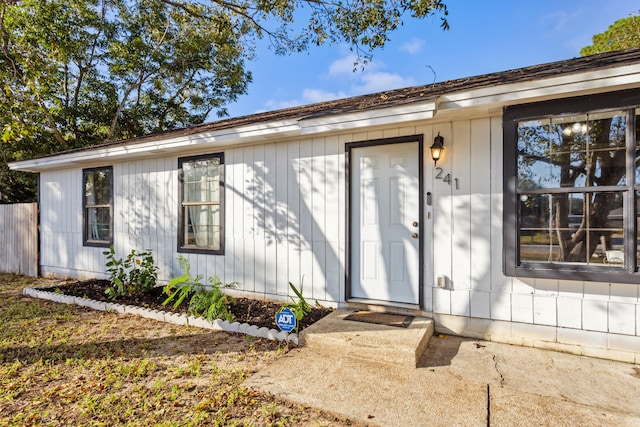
[136, 274]
[209, 302]
[299, 307]
[180, 288]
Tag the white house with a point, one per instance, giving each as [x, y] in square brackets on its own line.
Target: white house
[525, 231]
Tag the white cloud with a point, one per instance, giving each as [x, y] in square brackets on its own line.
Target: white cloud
[273, 104]
[319, 95]
[412, 46]
[340, 73]
[309, 96]
[380, 81]
[342, 66]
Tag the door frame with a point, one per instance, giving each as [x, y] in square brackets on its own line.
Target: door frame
[419, 138]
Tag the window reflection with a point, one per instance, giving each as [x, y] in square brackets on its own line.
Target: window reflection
[572, 151]
[572, 228]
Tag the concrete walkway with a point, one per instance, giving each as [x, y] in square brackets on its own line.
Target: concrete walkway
[458, 381]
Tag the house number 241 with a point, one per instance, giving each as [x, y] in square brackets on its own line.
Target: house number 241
[446, 178]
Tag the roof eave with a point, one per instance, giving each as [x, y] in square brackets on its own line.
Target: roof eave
[165, 144]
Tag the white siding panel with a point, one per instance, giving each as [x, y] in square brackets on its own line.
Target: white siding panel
[500, 284]
[247, 192]
[282, 269]
[306, 186]
[569, 312]
[318, 191]
[480, 304]
[460, 302]
[522, 308]
[259, 266]
[247, 270]
[293, 257]
[480, 202]
[460, 185]
[293, 192]
[443, 222]
[318, 260]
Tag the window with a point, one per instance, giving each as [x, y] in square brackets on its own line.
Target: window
[97, 206]
[202, 204]
[572, 188]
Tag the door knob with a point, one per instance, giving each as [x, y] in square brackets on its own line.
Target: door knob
[414, 235]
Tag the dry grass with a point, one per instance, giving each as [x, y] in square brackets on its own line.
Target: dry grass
[65, 365]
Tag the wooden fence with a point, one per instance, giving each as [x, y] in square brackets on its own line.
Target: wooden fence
[19, 238]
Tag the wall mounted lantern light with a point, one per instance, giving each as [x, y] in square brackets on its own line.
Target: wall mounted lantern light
[437, 148]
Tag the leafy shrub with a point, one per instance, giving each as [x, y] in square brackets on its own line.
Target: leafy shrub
[136, 274]
[211, 303]
[205, 301]
[180, 288]
[299, 307]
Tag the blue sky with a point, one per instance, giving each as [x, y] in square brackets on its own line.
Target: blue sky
[485, 37]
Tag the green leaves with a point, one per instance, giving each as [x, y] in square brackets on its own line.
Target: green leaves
[622, 34]
[77, 73]
[136, 274]
[299, 307]
[209, 302]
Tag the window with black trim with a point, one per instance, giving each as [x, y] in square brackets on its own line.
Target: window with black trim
[97, 203]
[572, 188]
[202, 204]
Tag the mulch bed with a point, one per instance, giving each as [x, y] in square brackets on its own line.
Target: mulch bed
[245, 310]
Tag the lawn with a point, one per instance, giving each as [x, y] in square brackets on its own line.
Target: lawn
[67, 365]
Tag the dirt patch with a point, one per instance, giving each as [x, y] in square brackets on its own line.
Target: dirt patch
[245, 310]
[64, 365]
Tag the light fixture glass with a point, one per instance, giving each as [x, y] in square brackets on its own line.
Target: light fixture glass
[437, 148]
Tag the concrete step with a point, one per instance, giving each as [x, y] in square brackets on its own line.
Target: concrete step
[368, 341]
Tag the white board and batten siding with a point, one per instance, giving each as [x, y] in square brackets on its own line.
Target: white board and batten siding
[591, 318]
[285, 221]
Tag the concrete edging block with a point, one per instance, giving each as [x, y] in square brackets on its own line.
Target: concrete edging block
[113, 307]
[176, 319]
[153, 314]
[162, 316]
[243, 328]
[217, 324]
[132, 309]
[233, 327]
[199, 322]
[252, 330]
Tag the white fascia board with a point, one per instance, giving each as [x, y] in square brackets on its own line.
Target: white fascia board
[373, 117]
[160, 146]
[565, 85]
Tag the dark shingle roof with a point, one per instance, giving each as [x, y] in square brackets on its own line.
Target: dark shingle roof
[403, 96]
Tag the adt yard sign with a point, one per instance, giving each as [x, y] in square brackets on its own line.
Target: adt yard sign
[286, 320]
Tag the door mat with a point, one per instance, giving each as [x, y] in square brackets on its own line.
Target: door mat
[397, 320]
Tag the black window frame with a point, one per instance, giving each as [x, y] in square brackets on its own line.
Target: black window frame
[181, 222]
[628, 100]
[86, 241]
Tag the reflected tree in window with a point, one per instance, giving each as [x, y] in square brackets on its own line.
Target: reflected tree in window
[571, 178]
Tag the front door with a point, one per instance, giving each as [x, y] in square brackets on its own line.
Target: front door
[385, 229]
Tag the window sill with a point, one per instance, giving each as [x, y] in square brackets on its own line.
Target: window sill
[197, 250]
[587, 274]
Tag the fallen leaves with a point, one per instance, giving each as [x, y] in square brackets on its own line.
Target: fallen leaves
[66, 365]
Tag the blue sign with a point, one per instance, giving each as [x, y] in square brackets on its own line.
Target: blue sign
[286, 320]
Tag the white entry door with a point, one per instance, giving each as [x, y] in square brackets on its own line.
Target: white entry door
[385, 209]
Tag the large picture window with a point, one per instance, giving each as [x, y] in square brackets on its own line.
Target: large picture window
[97, 206]
[572, 188]
[202, 204]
